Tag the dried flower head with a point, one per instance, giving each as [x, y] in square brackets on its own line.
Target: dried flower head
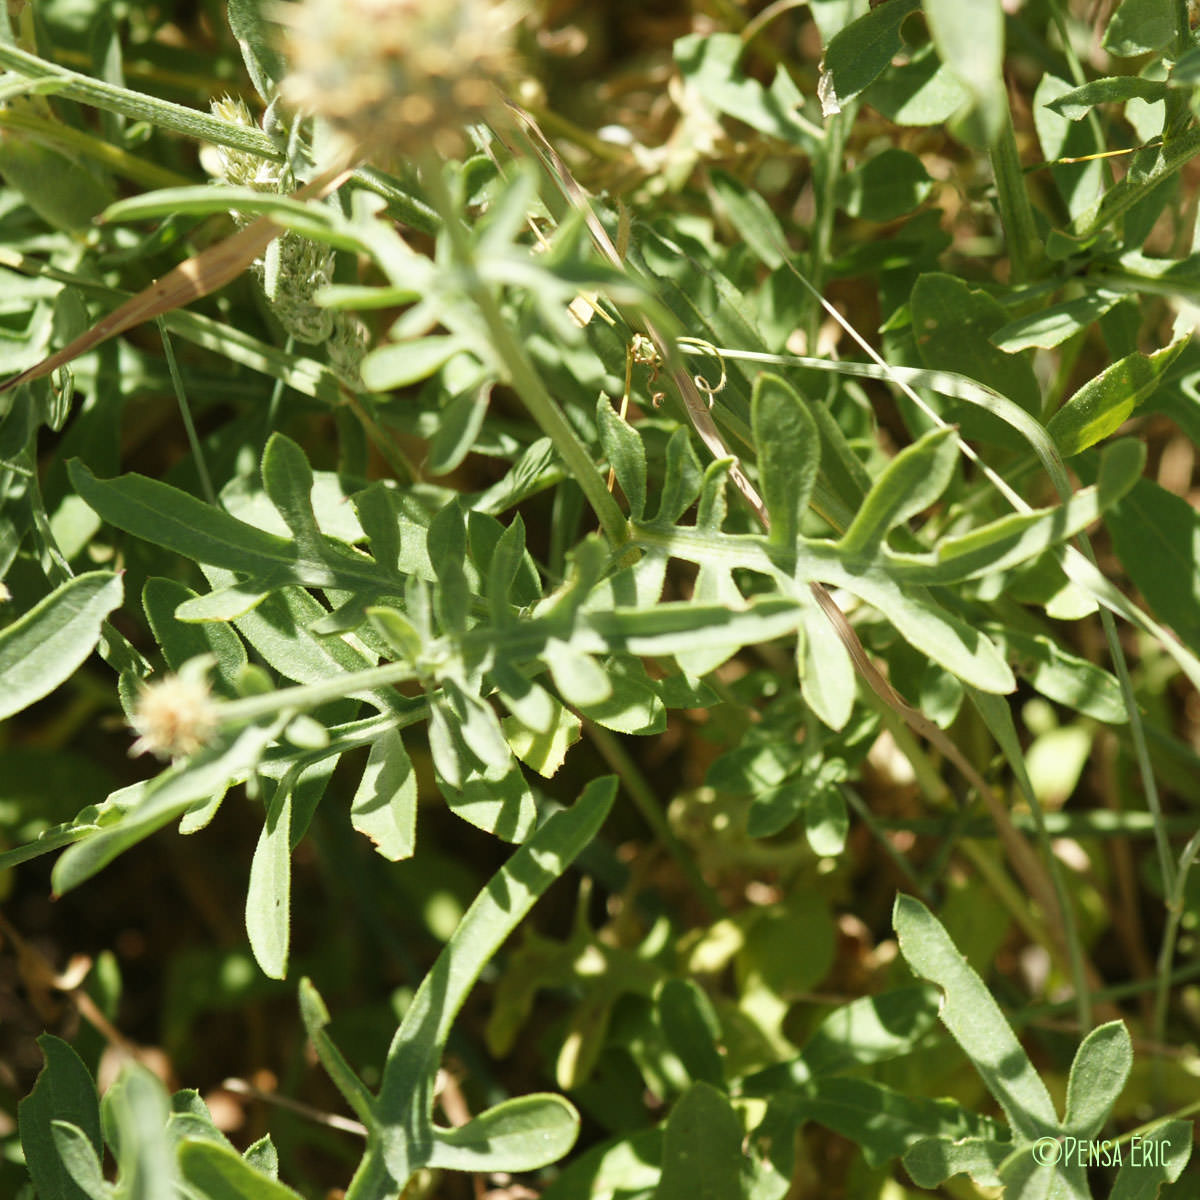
[174, 716]
[398, 75]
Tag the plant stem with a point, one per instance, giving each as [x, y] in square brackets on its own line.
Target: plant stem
[521, 372]
[1166, 954]
[1016, 213]
[185, 413]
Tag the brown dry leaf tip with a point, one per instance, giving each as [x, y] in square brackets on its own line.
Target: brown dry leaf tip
[174, 717]
[402, 76]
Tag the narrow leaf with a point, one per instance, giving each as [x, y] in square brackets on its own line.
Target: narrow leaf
[702, 1148]
[1077, 103]
[521, 1134]
[1161, 1156]
[1050, 327]
[268, 893]
[220, 1173]
[625, 453]
[384, 807]
[43, 648]
[788, 454]
[406, 363]
[909, 484]
[417, 1046]
[1098, 1076]
[862, 51]
[975, 1020]
[1103, 404]
[1139, 26]
[64, 1091]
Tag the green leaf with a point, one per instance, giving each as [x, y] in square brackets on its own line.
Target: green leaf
[522, 1134]
[1103, 404]
[448, 553]
[497, 800]
[632, 705]
[220, 1173]
[970, 41]
[579, 679]
[1153, 1159]
[263, 62]
[883, 1123]
[1156, 535]
[406, 1095]
[788, 454]
[932, 1161]
[398, 632]
[171, 518]
[1151, 167]
[682, 480]
[909, 484]
[625, 453]
[975, 1021]
[828, 680]
[886, 186]
[953, 323]
[135, 1113]
[865, 48]
[1098, 1076]
[504, 563]
[826, 821]
[922, 91]
[1079, 183]
[316, 1017]
[268, 893]
[43, 647]
[751, 217]
[182, 640]
[477, 724]
[871, 1029]
[1050, 327]
[692, 1029]
[709, 64]
[406, 363]
[80, 1160]
[168, 796]
[1061, 676]
[288, 481]
[384, 807]
[620, 1167]
[64, 1091]
[868, 1030]
[543, 750]
[458, 426]
[1139, 26]
[1077, 103]
[702, 1148]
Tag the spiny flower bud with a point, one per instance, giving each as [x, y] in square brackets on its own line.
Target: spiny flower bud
[242, 167]
[174, 717]
[398, 75]
[295, 267]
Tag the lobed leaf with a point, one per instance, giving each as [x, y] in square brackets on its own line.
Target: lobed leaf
[975, 1020]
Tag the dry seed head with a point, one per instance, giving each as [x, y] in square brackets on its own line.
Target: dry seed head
[398, 75]
[174, 717]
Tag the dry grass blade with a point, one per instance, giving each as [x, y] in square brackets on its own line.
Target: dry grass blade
[198, 276]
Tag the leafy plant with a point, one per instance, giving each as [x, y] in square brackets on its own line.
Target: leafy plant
[505, 432]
